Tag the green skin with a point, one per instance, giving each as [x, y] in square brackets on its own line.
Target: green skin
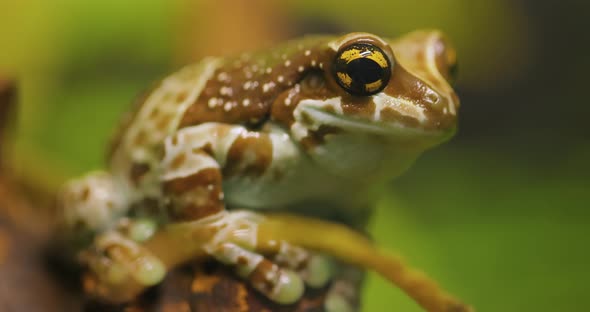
[279, 130]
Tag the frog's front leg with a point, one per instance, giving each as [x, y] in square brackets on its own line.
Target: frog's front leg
[192, 167]
[91, 212]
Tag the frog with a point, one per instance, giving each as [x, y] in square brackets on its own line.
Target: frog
[313, 126]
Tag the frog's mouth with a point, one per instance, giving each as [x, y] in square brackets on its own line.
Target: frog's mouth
[357, 125]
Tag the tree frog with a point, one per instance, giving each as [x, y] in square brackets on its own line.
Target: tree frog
[310, 127]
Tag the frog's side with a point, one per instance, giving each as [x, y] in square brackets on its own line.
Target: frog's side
[267, 131]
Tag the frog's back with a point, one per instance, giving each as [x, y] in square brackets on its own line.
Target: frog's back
[136, 146]
[237, 90]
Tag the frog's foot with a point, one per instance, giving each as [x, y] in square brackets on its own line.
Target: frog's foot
[281, 285]
[235, 245]
[314, 268]
[90, 203]
[119, 268]
[343, 295]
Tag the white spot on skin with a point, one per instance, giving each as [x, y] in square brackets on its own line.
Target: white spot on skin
[268, 86]
[280, 78]
[307, 53]
[322, 65]
[268, 70]
[223, 77]
[226, 91]
[248, 74]
[313, 63]
[212, 102]
[249, 85]
[227, 107]
[288, 101]
[246, 102]
[287, 63]
[300, 69]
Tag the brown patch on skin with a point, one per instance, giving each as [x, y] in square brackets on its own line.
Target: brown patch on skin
[259, 276]
[318, 137]
[207, 148]
[141, 138]
[175, 140]
[362, 107]
[195, 196]
[181, 96]
[306, 118]
[283, 113]
[85, 194]
[155, 113]
[178, 161]
[138, 170]
[249, 155]
[163, 122]
[242, 260]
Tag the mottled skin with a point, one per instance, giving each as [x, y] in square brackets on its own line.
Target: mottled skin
[272, 130]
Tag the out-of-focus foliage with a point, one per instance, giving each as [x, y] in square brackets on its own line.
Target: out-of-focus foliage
[498, 215]
[489, 31]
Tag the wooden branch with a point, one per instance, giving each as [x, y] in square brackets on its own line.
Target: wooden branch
[208, 287]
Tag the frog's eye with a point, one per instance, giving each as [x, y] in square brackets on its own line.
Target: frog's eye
[362, 69]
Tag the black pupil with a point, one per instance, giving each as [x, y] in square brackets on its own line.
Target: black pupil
[364, 70]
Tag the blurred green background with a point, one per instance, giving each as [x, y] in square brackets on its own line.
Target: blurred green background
[498, 215]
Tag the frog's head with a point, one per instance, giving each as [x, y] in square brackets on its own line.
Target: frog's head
[373, 105]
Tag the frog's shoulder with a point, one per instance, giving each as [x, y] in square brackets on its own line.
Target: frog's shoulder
[156, 113]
